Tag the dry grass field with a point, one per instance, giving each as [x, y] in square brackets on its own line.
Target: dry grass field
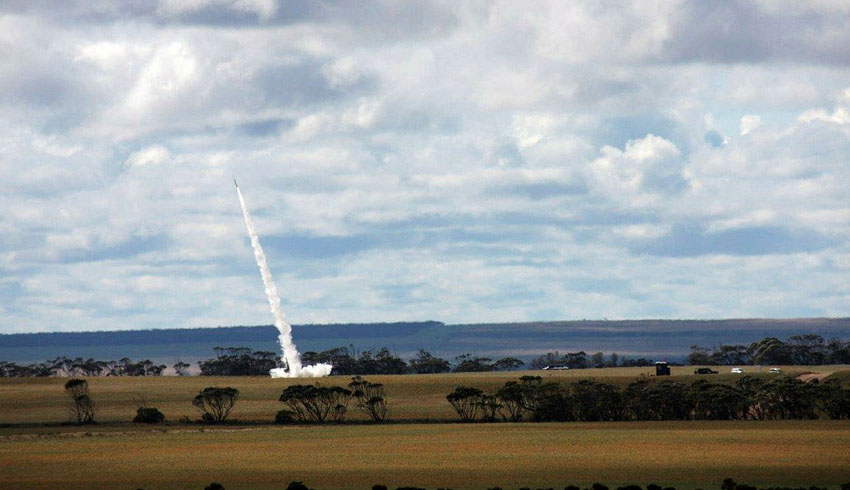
[476, 456]
[428, 450]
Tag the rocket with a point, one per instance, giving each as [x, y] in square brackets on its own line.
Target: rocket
[234, 182]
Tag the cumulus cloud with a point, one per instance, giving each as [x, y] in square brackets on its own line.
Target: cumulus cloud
[643, 172]
[467, 161]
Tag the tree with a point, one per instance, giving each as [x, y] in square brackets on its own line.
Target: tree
[181, 368]
[238, 361]
[576, 360]
[489, 407]
[547, 359]
[770, 350]
[82, 407]
[313, 403]
[216, 403]
[700, 356]
[370, 398]
[467, 364]
[833, 400]
[594, 401]
[425, 363]
[597, 360]
[507, 364]
[511, 395]
[466, 401]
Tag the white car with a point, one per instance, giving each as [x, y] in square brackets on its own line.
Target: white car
[737, 370]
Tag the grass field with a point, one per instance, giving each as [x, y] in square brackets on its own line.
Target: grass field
[686, 455]
[37, 452]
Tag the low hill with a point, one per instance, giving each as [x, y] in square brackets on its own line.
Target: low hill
[657, 339]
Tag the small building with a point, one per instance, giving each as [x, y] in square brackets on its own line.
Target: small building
[662, 369]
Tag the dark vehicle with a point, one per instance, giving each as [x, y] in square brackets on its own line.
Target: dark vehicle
[662, 369]
[704, 371]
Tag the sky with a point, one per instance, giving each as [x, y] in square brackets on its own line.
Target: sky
[477, 161]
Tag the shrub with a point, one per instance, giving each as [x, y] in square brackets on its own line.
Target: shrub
[147, 415]
[214, 486]
[297, 485]
[379, 487]
[283, 417]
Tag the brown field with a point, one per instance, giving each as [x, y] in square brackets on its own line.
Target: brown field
[476, 456]
[37, 452]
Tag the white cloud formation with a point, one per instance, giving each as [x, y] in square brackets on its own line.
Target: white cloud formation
[646, 170]
[457, 161]
[749, 123]
[152, 155]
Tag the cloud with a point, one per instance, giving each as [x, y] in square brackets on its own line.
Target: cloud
[152, 155]
[645, 170]
[472, 161]
[264, 9]
[693, 241]
[749, 123]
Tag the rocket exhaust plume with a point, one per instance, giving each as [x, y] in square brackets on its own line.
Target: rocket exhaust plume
[291, 359]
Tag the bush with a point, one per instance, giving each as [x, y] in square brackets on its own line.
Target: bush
[214, 486]
[283, 417]
[146, 415]
[297, 485]
[379, 487]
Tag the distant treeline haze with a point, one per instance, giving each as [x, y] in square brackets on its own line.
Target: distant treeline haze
[808, 350]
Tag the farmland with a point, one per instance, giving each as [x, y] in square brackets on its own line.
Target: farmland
[423, 445]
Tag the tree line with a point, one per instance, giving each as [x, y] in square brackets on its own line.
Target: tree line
[749, 398]
[805, 350]
[347, 361]
[797, 350]
[64, 366]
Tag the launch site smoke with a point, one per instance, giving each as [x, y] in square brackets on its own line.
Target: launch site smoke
[291, 359]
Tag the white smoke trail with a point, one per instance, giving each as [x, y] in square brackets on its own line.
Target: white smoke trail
[291, 358]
